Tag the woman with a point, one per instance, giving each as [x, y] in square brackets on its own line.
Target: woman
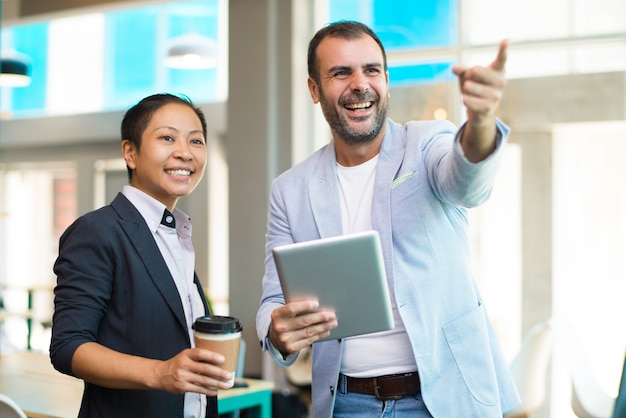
[127, 293]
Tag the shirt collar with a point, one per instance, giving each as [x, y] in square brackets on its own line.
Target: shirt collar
[152, 211]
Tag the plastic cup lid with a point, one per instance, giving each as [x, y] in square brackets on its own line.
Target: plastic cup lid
[217, 324]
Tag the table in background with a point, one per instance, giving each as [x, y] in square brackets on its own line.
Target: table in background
[257, 397]
[29, 379]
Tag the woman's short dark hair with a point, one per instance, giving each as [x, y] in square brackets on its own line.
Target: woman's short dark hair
[138, 117]
[345, 29]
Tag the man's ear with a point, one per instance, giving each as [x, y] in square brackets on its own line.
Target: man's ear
[129, 151]
[314, 90]
[387, 79]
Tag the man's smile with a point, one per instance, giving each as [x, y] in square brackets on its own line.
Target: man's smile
[358, 106]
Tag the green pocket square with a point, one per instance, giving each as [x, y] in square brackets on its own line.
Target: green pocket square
[401, 179]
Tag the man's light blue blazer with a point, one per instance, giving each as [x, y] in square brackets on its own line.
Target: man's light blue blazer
[422, 190]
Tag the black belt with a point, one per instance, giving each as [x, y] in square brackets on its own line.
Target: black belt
[394, 386]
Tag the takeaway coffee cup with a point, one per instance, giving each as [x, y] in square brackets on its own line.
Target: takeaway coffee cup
[221, 334]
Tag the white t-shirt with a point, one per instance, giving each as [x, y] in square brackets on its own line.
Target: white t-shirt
[380, 353]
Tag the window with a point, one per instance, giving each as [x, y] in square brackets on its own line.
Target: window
[118, 58]
[37, 202]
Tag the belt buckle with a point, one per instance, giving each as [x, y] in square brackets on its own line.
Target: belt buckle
[383, 397]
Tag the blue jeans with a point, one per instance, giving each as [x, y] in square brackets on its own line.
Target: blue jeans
[353, 405]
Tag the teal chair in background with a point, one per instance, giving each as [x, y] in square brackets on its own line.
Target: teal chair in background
[529, 369]
[589, 397]
[620, 403]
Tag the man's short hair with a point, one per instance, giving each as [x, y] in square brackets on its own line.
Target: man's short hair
[345, 29]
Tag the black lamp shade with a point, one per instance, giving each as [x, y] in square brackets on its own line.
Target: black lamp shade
[14, 72]
[13, 66]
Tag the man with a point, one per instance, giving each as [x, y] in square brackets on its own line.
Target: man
[127, 294]
[412, 183]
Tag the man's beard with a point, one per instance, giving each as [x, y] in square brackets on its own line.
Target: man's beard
[340, 123]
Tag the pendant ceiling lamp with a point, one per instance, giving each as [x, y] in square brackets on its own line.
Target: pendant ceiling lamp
[191, 52]
[15, 69]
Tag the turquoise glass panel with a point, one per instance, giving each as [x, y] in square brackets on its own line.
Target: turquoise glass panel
[192, 16]
[416, 24]
[359, 10]
[198, 85]
[421, 73]
[131, 50]
[402, 24]
[32, 40]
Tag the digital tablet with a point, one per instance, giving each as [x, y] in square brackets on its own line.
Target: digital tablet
[345, 273]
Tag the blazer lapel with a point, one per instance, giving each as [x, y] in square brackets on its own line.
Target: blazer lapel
[390, 159]
[324, 195]
[138, 233]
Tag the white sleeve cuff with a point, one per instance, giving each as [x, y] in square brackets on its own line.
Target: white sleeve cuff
[284, 361]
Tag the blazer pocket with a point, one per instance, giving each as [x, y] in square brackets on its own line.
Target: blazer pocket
[468, 340]
[405, 185]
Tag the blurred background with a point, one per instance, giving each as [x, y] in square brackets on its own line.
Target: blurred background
[548, 247]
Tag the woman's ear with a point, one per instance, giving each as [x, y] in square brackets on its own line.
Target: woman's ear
[129, 151]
